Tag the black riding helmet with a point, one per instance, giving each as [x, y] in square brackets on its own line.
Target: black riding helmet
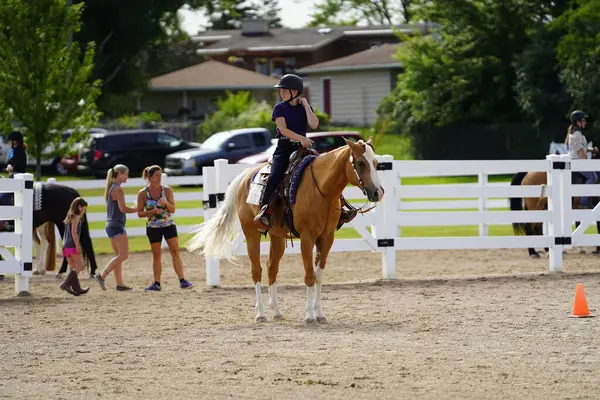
[291, 82]
[15, 136]
[577, 115]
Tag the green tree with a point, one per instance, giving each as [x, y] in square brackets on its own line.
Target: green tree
[44, 81]
[228, 14]
[465, 70]
[579, 55]
[350, 12]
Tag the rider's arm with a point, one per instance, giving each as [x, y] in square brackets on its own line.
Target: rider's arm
[283, 129]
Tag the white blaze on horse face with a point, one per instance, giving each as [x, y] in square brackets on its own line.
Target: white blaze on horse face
[370, 157]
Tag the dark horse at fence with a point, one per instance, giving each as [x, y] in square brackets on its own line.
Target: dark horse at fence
[55, 200]
[541, 203]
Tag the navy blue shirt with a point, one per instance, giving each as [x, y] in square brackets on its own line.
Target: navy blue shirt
[295, 120]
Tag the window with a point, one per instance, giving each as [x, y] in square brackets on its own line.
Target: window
[325, 144]
[261, 66]
[240, 141]
[259, 139]
[169, 141]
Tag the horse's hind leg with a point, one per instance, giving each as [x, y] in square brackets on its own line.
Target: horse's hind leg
[529, 231]
[324, 244]
[276, 252]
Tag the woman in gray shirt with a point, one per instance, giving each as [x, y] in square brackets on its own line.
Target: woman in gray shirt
[116, 211]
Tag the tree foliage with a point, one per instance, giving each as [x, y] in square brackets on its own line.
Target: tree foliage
[45, 84]
[351, 12]
[579, 53]
[228, 14]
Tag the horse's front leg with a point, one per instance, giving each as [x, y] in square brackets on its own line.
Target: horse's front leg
[324, 244]
[306, 245]
[276, 252]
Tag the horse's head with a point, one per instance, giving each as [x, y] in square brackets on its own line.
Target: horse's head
[363, 171]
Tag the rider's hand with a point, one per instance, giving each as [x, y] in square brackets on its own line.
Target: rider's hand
[303, 101]
[306, 142]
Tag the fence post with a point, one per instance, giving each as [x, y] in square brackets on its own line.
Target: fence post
[209, 192]
[483, 181]
[386, 212]
[557, 166]
[24, 252]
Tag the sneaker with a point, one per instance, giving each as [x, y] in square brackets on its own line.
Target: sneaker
[123, 288]
[100, 282]
[1, 277]
[185, 284]
[152, 288]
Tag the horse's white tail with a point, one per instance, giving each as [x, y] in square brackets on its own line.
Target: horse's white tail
[215, 235]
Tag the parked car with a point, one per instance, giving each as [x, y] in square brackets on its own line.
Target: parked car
[70, 160]
[137, 149]
[232, 145]
[324, 142]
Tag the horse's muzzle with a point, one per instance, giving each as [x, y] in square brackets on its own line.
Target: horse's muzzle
[375, 195]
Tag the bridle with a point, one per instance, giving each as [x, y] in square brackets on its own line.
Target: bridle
[361, 185]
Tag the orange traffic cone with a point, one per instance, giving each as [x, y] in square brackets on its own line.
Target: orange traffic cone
[580, 305]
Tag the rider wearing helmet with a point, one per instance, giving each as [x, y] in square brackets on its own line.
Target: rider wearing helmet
[17, 158]
[17, 163]
[577, 145]
[292, 116]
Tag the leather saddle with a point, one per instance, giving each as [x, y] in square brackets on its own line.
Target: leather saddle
[285, 194]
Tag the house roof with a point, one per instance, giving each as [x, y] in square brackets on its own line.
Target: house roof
[287, 39]
[211, 75]
[377, 57]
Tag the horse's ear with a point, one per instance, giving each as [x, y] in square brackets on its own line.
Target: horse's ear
[370, 141]
[350, 143]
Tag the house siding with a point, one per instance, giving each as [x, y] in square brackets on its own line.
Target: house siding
[355, 95]
[169, 103]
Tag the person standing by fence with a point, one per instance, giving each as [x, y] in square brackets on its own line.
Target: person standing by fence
[577, 145]
[72, 247]
[17, 164]
[116, 211]
[157, 203]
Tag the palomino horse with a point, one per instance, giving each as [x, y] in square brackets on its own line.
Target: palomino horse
[539, 203]
[316, 214]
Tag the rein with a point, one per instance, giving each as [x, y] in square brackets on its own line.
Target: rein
[345, 202]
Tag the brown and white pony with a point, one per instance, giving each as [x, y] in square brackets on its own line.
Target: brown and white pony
[316, 214]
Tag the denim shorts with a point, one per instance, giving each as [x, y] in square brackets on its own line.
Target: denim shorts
[114, 231]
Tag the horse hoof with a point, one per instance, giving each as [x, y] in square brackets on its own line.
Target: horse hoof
[321, 320]
[260, 318]
[39, 273]
[278, 317]
[310, 321]
[534, 255]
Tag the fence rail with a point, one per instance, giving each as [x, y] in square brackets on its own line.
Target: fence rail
[390, 215]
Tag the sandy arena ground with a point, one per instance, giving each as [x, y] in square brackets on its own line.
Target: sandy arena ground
[440, 332]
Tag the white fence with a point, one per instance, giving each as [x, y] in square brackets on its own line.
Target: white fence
[393, 213]
[132, 198]
[19, 264]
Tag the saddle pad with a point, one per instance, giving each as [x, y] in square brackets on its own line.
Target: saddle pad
[258, 184]
[297, 176]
